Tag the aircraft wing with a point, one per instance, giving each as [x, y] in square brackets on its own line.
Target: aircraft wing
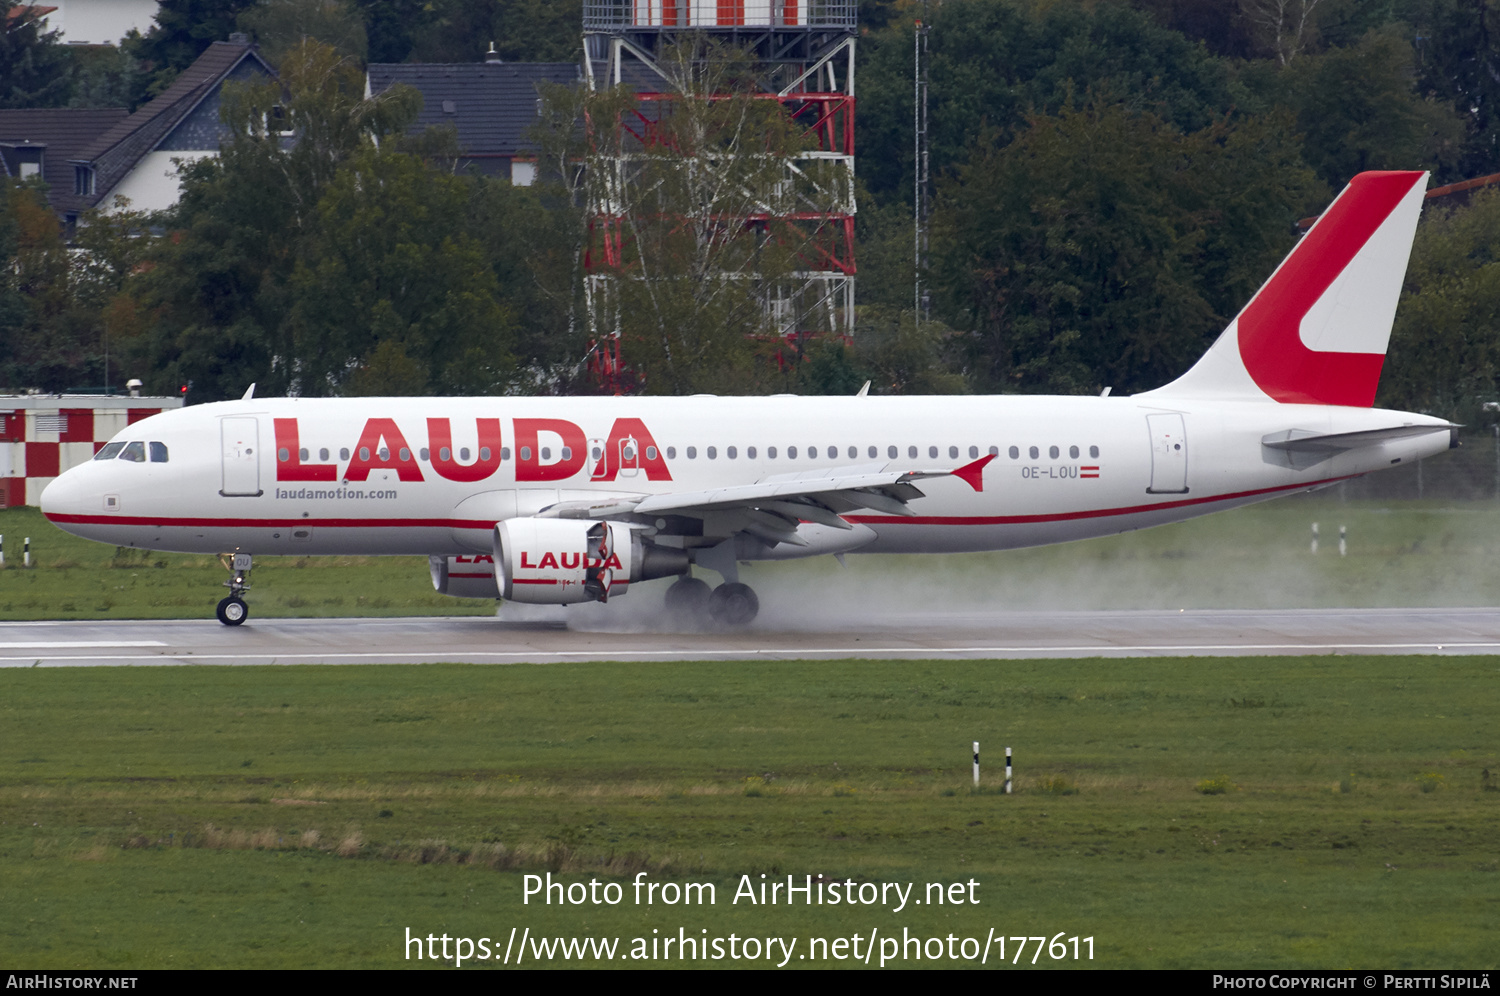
[772, 507]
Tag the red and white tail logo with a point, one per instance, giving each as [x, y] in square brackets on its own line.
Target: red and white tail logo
[1316, 333]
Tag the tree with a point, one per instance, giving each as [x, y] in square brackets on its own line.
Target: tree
[279, 26]
[1286, 27]
[686, 199]
[33, 63]
[183, 31]
[1358, 110]
[1104, 248]
[217, 289]
[391, 291]
[1459, 63]
[1444, 355]
[995, 62]
[350, 260]
[521, 30]
[57, 300]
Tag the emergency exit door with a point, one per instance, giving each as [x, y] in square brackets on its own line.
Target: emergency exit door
[241, 456]
[1168, 454]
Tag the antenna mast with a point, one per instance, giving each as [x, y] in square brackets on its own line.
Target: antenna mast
[921, 195]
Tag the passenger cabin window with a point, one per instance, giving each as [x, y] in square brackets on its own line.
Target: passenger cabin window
[1015, 452]
[1094, 452]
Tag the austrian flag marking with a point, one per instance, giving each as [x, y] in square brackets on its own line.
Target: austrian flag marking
[1088, 471]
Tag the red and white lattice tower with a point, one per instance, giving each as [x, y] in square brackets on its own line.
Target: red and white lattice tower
[803, 56]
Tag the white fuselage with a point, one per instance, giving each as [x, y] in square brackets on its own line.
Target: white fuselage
[1067, 468]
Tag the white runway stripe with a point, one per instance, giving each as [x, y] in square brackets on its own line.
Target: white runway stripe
[77, 644]
[748, 653]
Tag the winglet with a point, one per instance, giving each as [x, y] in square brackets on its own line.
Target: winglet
[973, 473]
[249, 393]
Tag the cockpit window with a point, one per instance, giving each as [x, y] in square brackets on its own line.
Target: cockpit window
[110, 451]
[158, 452]
[134, 452]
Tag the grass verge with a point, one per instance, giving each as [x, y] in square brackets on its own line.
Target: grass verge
[1279, 812]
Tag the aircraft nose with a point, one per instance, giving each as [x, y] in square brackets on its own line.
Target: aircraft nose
[65, 495]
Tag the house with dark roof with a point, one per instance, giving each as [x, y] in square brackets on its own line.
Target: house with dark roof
[492, 105]
[137, 158]
[41, 141]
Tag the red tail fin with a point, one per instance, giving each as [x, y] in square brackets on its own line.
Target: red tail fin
[1316, 333]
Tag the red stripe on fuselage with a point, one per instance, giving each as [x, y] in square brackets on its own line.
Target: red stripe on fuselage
[914, 520]
[136, 520]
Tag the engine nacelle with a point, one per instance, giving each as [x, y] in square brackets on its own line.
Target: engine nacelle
[465, 577]
[560, 561]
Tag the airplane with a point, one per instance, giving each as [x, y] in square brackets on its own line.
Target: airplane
[567, 500]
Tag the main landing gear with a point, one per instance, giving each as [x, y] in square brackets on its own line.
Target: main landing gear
[730, 605]
[232, 610]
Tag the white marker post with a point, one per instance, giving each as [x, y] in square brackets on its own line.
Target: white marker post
[2, 549]
[1007, 771]
[26, 553]
[1343, 546]
[976, 764]
[1315, 538]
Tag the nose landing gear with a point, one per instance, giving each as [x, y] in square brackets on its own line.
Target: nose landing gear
[232, 610]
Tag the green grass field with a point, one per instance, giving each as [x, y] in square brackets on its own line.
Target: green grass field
[1315, 812]
[1319, 812]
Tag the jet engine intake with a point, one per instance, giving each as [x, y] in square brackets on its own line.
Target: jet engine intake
[561, 561]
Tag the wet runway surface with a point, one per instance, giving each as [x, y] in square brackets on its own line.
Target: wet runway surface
[551, 637]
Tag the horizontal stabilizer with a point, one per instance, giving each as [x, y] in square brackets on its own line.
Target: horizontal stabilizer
[1306, 440]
